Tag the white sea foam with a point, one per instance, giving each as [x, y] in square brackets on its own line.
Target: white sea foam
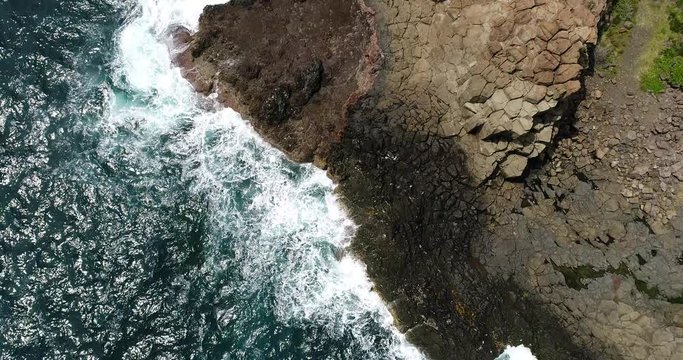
[517, 353]
[288, 227]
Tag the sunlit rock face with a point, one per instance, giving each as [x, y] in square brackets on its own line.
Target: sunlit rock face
[491, 71]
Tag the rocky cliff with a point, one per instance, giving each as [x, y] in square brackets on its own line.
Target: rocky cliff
[419, 109]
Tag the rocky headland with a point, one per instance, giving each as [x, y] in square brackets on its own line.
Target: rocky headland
[505, 192]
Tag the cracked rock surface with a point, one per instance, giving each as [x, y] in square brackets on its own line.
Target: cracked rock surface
[600, 226]
[493, 71]
[419, 109]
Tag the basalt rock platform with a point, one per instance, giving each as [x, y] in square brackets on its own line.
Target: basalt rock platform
[419, 110]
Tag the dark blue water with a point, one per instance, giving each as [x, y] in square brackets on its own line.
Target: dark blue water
[137, 224]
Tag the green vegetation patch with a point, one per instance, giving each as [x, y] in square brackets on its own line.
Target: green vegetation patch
[676, 17]
[624, 10]
[615, 38]
[576, 278]
[667, 67]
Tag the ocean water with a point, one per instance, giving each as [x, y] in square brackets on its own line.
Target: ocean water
[141, 221]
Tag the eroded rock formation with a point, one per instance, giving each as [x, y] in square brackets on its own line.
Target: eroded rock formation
[415, 107]
[601, 225]
[494, 71]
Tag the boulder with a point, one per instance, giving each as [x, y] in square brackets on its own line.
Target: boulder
[513, 166]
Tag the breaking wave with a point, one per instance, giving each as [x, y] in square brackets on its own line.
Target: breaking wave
[275, 228]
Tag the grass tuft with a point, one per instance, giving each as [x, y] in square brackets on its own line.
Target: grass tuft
[615, 38]
[651, 81]
[624, 10]
[666, 65]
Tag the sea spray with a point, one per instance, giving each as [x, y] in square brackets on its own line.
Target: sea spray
[517, 353]
[284, 223]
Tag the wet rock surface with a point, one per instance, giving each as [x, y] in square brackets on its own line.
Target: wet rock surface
[420, 110]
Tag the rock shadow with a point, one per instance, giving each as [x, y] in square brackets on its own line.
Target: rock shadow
[419, 215]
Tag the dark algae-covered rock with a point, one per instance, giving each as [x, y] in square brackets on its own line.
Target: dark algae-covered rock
[419, 110]
[275, 108]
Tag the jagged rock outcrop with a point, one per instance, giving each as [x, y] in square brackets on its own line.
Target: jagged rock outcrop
[411, 106]
[296, 82]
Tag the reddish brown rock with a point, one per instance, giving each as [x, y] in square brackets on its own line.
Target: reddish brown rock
[297, 82]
